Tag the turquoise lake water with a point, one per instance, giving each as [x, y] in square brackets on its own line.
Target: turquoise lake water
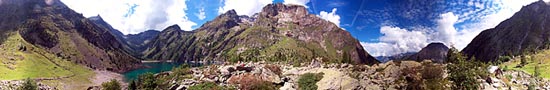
[155, 67]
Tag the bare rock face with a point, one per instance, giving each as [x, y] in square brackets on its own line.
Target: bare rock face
[436, 52]
[523, 33]
[278, 33]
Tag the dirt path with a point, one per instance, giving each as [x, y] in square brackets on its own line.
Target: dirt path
[105, 76]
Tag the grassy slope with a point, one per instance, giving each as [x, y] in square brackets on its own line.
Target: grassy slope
[37, 63]
[542, 57]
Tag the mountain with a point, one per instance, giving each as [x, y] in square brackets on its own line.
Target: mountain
[398, 57]
[278, 33]
[436, 52]
[134, 44]
[525, 32]
[56, 29]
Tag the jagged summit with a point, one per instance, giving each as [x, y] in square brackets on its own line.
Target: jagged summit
[173, 27]
[274, 9]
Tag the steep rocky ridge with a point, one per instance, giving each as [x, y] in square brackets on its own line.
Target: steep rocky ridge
[525, 32]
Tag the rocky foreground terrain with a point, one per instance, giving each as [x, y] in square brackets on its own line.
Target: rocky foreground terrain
[391, 75]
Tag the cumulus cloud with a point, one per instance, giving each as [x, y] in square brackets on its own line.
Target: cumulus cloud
[297, 2]
[243, 7]
[446, 31]
[134, 16]
[331, 16]
[396, 40]
[201, 14]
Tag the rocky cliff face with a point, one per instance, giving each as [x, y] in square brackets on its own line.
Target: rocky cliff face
[61, 31]
[525, 32]
[278, 33]
[436, 52]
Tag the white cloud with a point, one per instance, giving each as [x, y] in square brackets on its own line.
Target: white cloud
[331, 16]
[297, 2]
[201, 14]
[244, 7]
[396, 40]
[445, 31]
[148, 14]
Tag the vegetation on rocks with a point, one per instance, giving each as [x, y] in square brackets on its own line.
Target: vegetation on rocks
[28, 84]
[308, 81]
[209, 86]
[111, 85]
[464, 73]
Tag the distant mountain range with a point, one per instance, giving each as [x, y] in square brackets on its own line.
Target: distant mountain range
[436, 52]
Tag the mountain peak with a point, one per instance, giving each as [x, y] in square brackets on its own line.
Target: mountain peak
[274, 9]
[173, 27]
[436, 44]
[436, 51]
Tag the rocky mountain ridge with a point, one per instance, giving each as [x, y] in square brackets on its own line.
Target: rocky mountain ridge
[525, 32]
[278, 32]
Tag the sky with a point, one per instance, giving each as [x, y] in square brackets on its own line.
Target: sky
[384, 27]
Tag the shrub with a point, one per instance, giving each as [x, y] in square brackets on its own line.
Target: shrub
[111, 85]
[261, 85]
[274, 68]
[147, 81]
[132, 85]
[251, 82]
[464, 73]
[433, 77]
[209, 86]
[28, 84]
[308, 81]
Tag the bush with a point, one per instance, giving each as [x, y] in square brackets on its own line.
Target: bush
[209, 86]
[132, 85]
[252, 82]
[308, 81]
[464, 73]
[274, 68]
[433, 77]
[147, 81]
[111, 85]
[28, 84]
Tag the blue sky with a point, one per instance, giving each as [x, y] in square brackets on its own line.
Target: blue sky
[384, 27]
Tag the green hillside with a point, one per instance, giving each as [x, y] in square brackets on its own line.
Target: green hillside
[23, 60]
[540, 59]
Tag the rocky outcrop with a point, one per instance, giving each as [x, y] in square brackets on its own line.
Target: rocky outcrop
[15, 84]
[525, 32]
[436, 52]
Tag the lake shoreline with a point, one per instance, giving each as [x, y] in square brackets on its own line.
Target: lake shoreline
[155, 61]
